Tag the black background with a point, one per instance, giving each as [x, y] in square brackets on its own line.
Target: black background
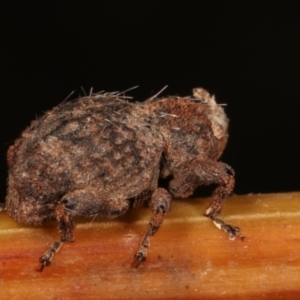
[246, 53]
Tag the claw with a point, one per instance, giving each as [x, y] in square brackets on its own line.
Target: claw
[233, 232]
[138, 259]
[44, 262]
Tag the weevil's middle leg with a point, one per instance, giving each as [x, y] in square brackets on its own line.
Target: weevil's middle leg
[160, 205]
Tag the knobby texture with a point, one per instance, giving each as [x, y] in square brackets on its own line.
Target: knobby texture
[188, 259]
[99, 155]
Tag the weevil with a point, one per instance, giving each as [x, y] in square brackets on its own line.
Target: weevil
[101, 154]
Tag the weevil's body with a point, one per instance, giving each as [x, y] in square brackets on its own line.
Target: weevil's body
[99, 155]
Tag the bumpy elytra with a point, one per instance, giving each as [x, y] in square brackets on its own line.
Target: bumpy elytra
[99, 155]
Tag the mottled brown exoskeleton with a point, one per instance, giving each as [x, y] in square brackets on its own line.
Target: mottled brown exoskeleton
[99, 155]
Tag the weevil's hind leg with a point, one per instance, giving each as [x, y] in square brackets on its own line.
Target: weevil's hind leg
[89, 202]
[160, 204]
[225, 179]
[66, 228]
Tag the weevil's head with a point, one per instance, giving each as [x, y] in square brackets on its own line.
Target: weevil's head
[192, 128]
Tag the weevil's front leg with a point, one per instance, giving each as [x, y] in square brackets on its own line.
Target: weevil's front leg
[206, 173]
[225, 180]
[160, 204]
[66, 228]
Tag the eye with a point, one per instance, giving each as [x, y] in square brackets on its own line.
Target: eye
[70, 203]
